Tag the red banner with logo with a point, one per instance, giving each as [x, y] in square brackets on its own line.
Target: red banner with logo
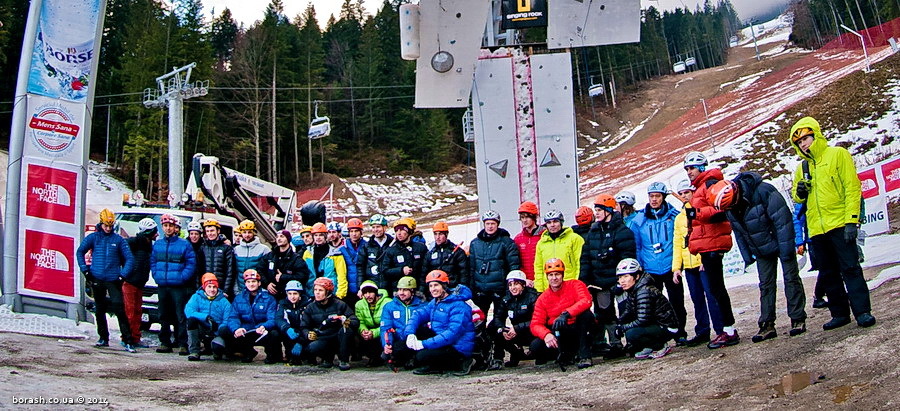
[869, 182]
[50, 193]
[49, 263]
[891, 172]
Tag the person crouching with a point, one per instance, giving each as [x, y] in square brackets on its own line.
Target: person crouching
[647, 320]
[562, 320]
[205, 311]
[329, 325]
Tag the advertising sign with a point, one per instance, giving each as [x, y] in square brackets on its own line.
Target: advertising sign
[875, 218]
[50, 193]
[55, 130]
[890, 170]
[518, 14]
[49, 264]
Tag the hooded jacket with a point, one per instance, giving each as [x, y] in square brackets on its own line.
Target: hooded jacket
[289, 263]
[395, 315]
[219, 259]
[451, 259]
[834, 187]
[316, 317]
[654, 231]
[607, 243]
[141, 246]
[645, 305]
[491, 257]
[332, 266]
[247, 255]
[572, 297]
[352, 257]
[681, 257]
[451, 320]
[370, 319]
[111, 257]
[527, 242]
[566, 247]
[199, 306]
[762, 222]
[250, 316]
[173, 262]
[710, 230]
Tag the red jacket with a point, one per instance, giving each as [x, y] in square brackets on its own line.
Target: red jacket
[527, 243]
[710, 230]
[573, 297]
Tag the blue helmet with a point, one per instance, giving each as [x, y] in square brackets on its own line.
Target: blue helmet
[297, 240]
[657, 187]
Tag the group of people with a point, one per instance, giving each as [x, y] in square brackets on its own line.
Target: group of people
[610, 285]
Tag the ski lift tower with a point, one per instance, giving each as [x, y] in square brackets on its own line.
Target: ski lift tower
[172, 89]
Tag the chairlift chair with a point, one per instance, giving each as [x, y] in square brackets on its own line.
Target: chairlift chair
[320, 126]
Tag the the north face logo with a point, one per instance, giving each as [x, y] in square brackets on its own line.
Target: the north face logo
[53, 194]
[50, 259]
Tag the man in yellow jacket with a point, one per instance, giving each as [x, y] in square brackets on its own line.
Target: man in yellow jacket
[557, 242]
[688, 266]
[827, 181]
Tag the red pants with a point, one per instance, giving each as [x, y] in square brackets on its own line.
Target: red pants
[133, 298]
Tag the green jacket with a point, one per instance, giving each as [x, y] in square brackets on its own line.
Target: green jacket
[566, 247]
[834, 189]
[369, 319]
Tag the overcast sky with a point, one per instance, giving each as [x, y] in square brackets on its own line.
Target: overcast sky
[248, 11]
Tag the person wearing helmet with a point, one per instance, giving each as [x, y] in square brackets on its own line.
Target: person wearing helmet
[367, 266]
[324, 261]
[250, 321]
[173, 262]
[195, 237]
[584, 217]
[247, 253]
[111, 262]
[562, 320]
[686, 265]
[528, 238]
[288, 318]
[303, 239]
[447, 256]
[334, 237]
[141, 245]
[559, 242]
[328, 326]
[516, 308]
[218, 255]
[395, 315]
[625, 201]
[608, 242]
[827, 181]
[353, 244]
[368, 310]
[205, 311]
[282, 265]
[654, 229]
[646, 318]
[710, 236]
[764, 230]
[449, 344]
[403, 257]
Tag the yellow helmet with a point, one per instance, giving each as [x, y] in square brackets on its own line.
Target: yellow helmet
[406, 222]
[306, 229]
[214, 223]
[246, 225]
[107, 217]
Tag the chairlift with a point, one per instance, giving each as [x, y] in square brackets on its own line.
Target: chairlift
[595, 89]
[320, 126]
[690, 61]
[679, 67]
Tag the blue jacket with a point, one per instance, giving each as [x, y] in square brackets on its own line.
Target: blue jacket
[801, 235]
[200, 306]
[654, 233]
[111, 257]
[351, 256]
[249, 317]
[397, 315]
[247, 255]
[451, 321]
[173, 261]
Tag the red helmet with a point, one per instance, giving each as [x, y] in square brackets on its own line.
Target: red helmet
[354, 223]
[723, 194]
[437, 275]
[169, 218]
[554, 265]
[584, 215]
[529, 208]
[252, 274]
[325, 283]
[209, 277]
[605, 200]
[319, 228]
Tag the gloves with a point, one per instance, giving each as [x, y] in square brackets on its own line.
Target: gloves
[620, 332]
[413, 343]
[691, 213]
[297, 351]
[561, 321]
[478, 316]
[293, 335]
[802, 190]
[850, 232]
[312, 336]
[616, 290]
[88, 277]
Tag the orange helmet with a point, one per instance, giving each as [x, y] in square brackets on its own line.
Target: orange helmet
[437, 275]
[723, 194]
[440, 227]
[605, 200]
[584, 215]
[554, 265]
[529, 208]
[354, 223]
[319, 228]
[325, 283]
[209, 277]
[252, 274]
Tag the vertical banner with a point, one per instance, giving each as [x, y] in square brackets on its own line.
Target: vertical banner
[60, 87]
[875, 217]
[520, 14]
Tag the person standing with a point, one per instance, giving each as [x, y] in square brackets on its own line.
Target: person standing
[173, 261]
[403, 257]
[557, 242]
[218, 255]
[141, 246]
[370, 260]
[447, 256]
[282, 265]
[324, 261]
[832, 191]
[584, 217]
[625, 201]
[247, 254]
[195, 237]
[527, 239]
[351, 249]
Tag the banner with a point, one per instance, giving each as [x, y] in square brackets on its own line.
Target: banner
[519, 14]
[877, 182]
[55, 130]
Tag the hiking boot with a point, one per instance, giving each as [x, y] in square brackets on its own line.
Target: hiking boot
[466, 368]
[249, 356]
[194, 357]
[820, 303]
[540, 361]
[836, 322]
[661, 352]
[615, 351]
[375, 362]
[797, 328]
[326, 364]
[723, 340]
[697, 340]
[495, 365]
[101, 343]
[643, 354]
[343, 365]
[426, 370]
[183, 351]
[865, 320]
[272, 360]
[766, 331]
[128, 347]
[584, 363]
[164, 349]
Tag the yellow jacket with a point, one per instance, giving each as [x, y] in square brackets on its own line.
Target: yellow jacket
[681, 256]
[566, 247]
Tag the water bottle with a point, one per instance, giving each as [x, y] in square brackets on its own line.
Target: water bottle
[67, 30]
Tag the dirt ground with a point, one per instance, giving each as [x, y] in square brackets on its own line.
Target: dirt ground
[850, 367]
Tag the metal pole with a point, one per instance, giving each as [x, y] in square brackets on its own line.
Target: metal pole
[863, 41]
[755, 46]
[108, 115]
[708, 128]
[176, 149]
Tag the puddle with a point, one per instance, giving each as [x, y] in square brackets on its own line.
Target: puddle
[841, 393]
[794, 382]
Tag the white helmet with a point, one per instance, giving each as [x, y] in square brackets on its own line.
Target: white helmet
[684, 185]
[334, 226]
[516, 275]
[146, 225]
[194, 226]
[628, 266]
[626, 197]
[491, 215]
[695, 159]
[554, 215]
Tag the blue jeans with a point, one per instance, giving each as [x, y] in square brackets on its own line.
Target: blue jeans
[705, 307]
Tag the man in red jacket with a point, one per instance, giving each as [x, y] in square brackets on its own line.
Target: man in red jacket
[562, 319]
[710, 236]
[527, 240]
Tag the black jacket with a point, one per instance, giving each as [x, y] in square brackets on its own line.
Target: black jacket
[450, 258]
[315, 317]
[605, 245]
[518, 309]
[370, 258]
[141, 248]
[399, 255]
[290, 314]
[219, 260]
[762, 222]
[200, 266]
[291, 265]
[491, 257]
[645, 305]
[582, 230]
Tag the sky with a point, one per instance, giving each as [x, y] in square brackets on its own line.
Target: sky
[248, 11]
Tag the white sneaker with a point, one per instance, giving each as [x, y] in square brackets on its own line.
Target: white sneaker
[643, 354]
[661, 352]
